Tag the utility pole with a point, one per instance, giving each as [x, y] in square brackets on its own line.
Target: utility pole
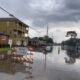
[47, 30]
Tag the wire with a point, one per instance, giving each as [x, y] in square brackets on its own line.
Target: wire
[16, 17]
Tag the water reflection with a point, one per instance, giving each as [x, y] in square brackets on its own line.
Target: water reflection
[52, 62]
[12, 65]
[56, 68]
[12, 68]
[9, 67]
[59, 50]
[46, 51]
[6, 67]
[72, 52]
[72, 57]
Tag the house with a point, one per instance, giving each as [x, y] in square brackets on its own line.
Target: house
[15, 28]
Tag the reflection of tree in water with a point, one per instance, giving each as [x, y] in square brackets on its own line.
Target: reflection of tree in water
[70, 61]
[72, 54]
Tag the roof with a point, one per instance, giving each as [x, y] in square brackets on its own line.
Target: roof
[13, 19]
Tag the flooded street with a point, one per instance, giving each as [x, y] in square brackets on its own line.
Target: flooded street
[54, 68]
[39, 40]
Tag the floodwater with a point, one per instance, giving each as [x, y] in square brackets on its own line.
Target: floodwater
[57, 65]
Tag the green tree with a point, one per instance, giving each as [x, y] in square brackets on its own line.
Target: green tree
[72, 34]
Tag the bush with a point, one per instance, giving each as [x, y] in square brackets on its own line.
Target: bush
[4, 46]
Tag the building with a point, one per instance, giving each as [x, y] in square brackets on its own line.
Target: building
[36, 41]
[15, 28]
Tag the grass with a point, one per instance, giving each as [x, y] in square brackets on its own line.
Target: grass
[4, 50]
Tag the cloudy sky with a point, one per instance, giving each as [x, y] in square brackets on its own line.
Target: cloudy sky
[60, 15]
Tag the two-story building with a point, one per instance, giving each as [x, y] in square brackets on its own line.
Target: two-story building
[15, 29]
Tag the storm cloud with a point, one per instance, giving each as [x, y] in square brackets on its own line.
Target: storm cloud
[42, 12]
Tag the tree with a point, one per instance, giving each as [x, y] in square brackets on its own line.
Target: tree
[73, 34]
[48, 39]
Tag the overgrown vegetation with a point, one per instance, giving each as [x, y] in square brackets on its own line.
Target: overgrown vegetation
[4, 49]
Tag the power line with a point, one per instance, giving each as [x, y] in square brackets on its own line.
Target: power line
[15, 17]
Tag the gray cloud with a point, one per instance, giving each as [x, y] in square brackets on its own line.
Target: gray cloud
[42, 12]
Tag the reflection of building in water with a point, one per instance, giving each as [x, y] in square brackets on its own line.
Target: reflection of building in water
[15, 64]
[7, 67]
[12, 68]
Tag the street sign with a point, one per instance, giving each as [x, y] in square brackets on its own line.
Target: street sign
[21, 50]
